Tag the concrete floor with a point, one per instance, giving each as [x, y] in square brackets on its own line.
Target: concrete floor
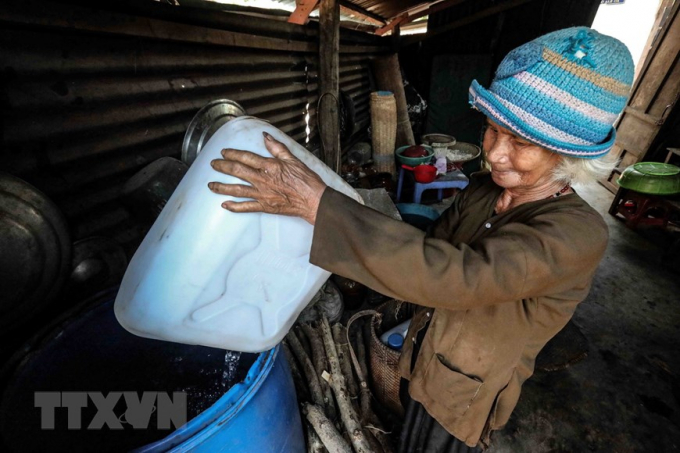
[625, 395]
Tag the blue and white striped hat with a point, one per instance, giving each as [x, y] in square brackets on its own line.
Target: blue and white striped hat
[562, 91]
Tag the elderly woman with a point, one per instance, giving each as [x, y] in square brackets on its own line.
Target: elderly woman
[504, 268]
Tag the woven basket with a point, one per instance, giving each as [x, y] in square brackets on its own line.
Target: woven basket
[383, 130]
[384, 362]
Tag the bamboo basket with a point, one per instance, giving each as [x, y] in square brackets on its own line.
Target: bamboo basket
[384, 130]
[384, 361]
[388, 77]
[385, 376]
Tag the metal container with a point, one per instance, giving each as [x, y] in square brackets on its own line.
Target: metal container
[147, 192]
[206, 122]
[464, 152]
[35, 252]
[439, 140]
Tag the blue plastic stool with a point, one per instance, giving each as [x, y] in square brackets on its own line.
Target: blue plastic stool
[452, 180]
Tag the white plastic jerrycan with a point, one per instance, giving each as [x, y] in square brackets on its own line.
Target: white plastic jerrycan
[207, 276]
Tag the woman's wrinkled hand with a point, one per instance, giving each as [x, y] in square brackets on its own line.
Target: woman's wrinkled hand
[282, 185]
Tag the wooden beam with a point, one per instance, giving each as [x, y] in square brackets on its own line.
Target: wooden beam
[302, 11]
[369, 20]
[413, 17]
[329, 82]
[418, 15]
[396, 21]
[362, 12]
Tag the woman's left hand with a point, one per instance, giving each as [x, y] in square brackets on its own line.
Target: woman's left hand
[282, 185]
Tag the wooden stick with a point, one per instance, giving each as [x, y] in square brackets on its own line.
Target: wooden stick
[349, 417]
[382, 436]
[298, 380]
[362, 371]
[320, 362]
[314, 444]
[368, 417]
[303, 340]
[343, 348]
[307, 367]
[324, 428]
[373, 442]
[371, 421]
[340, 338]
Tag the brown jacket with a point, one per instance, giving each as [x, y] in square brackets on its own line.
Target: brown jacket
[498, 287]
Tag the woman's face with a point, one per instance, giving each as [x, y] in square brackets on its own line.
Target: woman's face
[516, 163]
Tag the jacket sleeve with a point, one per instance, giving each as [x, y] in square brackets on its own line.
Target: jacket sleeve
[552, 254]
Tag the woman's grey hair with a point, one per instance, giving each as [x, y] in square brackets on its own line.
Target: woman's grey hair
[574, 170]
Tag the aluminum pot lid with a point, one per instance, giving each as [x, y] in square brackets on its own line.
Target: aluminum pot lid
[36, 252]
[205, 123]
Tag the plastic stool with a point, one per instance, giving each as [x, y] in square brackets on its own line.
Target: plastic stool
[635, 207]
[452, 180]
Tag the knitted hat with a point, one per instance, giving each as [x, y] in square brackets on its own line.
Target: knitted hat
[562, 91]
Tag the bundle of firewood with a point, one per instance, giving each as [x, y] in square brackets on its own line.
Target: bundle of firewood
[334, 395]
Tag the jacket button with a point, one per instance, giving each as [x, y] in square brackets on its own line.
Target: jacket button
[427, 314]
[488, 225]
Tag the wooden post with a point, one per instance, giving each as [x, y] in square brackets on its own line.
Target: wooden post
[329, 82]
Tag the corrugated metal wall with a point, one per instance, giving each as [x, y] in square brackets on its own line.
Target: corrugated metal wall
[91, 96]
[355, 80]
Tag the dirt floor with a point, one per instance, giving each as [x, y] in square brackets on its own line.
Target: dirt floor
[624, 396]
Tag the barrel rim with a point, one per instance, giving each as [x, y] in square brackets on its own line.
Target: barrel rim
[205, 424]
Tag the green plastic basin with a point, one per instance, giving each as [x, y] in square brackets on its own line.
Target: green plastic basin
[653, 178]
[414, 161]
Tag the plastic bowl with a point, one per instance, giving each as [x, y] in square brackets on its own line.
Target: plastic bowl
[652, 178]
[413, 161]
[418, 215]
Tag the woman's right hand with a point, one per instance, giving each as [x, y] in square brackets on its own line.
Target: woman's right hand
[279, 185]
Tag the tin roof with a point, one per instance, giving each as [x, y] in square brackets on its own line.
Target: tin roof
[351, 10]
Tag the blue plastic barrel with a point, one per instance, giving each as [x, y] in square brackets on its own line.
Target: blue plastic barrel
[258, 415]
[87, 351]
